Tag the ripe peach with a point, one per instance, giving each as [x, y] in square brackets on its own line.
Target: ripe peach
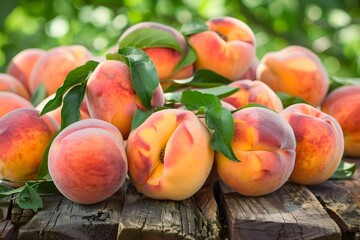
[227, 48]
[10, 101]
[254, 92]
[250, 73]
[53, 67]
[344, 105]
[110, 95]
[296, 71]
[319, 143]
[87, 161]
[24, 136]
[56, 114]
[9, 83]
[265, 145]
[165, 59]
[22, 64]
[169, 155]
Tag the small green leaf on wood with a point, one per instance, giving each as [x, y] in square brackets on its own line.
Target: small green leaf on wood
[74, 77]
[39, 95]
[143, 73]
[193, 27]
[150, 37]
[29, 199]
[344, 171]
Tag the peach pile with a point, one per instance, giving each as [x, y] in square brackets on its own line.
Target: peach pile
[24, 136]
[319, 143]
[265, 145]
[87, 161]
[170, 155]
[344, 105]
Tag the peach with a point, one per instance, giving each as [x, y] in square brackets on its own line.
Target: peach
[344, 105]
[53, 67]
[87, 161]
[265, 144]
[110, 95]
[9, 83]
[22, 64]
[10, 101]
[254, 92]
[296, 71]
[227, 48]
[56, 114]
[250, 73]
[319, 143]
[169, 155]
[165, 59]
[24, 137]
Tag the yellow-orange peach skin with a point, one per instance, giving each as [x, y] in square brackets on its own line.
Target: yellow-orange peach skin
[344, 105]
[10, 101]
[24, 136]
[227, 48]
[87, 161]
[265, 145]
[8, 83]
[319, 143]
[110, 95]
[169, 155]
[296, 71]
[254, 92]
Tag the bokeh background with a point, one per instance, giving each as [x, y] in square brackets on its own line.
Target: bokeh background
[330, 28]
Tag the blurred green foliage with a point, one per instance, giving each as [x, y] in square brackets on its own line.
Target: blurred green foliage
[329, 28]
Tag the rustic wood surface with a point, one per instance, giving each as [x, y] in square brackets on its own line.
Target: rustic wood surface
[145, 218]
[292, 212]
[341, 200]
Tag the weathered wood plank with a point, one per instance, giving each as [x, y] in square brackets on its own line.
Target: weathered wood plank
[341, 200]
[145, 218]
[292, 212]
[6, 227]
[64, 219]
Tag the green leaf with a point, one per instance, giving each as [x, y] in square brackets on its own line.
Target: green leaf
[29, 199]
[73, 99]
[193, 100]
[187, 59]
[336, 82]
[39, 95]
[344, 171]
[143, 73]
[139, 117]
[75, 77]
[220, 120]
[43, 172]
[5, 188]
[249, 105]
[11, 191]
[288, 100]
[47, 186]
[204, 77]
[150, 37]
[220, 92]
[193, 27]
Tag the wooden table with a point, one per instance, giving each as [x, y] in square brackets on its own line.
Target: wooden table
[330, 210]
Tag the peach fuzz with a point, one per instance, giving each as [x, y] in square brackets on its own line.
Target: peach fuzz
[56, 114]
[319, 143]
[344, 105]
[87, 161]
[296, 71]
[169, 155]
[9, 83]
[24, 136]
[227, 48]
[22, 64]
[165, 59]
[53, 67]
[254, 92]
[10, 101]
[265, 144]
[110, 95]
